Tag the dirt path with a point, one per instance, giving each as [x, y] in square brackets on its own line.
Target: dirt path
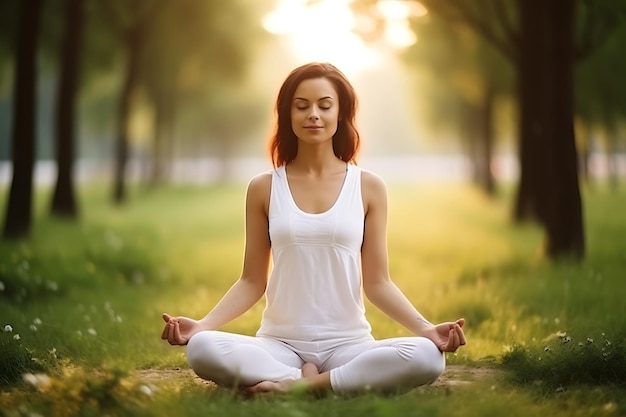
[463, 374]
[454, 375]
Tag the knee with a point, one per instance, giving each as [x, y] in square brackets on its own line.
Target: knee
[427, 363]
[204, 354]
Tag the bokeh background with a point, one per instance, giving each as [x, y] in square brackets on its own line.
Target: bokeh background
[528, 94]
[130, 128]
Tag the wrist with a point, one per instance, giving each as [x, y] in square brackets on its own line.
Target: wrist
[206, 324]
[423, 326]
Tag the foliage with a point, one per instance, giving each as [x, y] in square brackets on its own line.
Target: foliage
[86, 301]
[567, 361]
[456, 68]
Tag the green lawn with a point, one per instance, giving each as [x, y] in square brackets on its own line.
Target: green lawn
[86, 298]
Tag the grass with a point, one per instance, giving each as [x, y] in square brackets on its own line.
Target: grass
[85, 299]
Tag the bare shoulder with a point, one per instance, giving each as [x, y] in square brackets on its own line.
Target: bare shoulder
[259, 188]
[374, 191]
[262, 181]
[372, 184]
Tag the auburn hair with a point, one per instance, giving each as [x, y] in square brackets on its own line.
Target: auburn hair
[283, 144]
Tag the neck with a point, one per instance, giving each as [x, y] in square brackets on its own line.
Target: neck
[316, 161]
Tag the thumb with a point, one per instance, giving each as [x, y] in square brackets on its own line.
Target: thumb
[460, 322]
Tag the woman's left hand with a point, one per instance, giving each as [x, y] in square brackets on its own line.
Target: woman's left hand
[448, 336]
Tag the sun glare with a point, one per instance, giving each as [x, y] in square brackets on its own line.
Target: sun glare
[326, 30]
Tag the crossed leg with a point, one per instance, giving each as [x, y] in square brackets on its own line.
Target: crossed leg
[267, 365]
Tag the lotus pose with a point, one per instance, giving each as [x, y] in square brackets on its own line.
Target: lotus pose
[322, 221]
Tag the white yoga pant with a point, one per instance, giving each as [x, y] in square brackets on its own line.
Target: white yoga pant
[231, 359]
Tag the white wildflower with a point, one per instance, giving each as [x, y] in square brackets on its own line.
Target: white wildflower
[145, 390]
[92, 331]
[8, 328]
[37, 321]
[17, 336]
[37, 380]
[33, 327]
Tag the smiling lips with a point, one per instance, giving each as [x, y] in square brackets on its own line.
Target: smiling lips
[312, 127]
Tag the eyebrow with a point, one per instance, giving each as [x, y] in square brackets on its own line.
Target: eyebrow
[304, 99]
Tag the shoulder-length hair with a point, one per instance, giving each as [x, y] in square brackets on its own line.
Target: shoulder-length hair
[283, 144]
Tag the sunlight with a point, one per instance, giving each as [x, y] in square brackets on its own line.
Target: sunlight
[396, 14]
[322, 31]
[326, 30]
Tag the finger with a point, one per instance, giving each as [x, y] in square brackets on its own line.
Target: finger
[177, 336]
[166, 318]
[453, 341]
[461, 333]
[171, 335]
[460, 322]
[456, 342]
[447, 346]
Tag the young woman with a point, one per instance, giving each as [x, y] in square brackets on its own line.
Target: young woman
[323, 222]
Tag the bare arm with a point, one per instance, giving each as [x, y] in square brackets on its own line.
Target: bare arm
[250, 287]
[377, 284]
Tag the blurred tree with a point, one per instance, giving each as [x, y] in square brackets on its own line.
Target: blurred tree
[195, 58]
[129, 22]
[460, 68]
[179, 58]
[601, 99]
[64, 200]
[8, 11]
[541, 41]
[18, 216]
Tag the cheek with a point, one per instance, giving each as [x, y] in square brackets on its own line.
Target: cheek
[334, 118]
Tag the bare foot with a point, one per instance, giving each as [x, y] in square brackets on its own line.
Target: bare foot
[309, 369]
[271, 386]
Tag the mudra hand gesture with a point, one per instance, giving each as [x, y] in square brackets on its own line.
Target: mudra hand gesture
[448, 336]
[178, 330]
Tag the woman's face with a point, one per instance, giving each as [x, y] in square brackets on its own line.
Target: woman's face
[315, 110]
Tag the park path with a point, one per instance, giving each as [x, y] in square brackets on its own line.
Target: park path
[455, 375]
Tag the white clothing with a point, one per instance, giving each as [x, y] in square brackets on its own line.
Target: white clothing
[314, 290]
[387, 365]
[314, 308]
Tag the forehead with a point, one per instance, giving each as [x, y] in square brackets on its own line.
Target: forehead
[315, 88]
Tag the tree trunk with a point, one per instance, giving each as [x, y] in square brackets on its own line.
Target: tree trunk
[64, 200]
[530, 95]
[19, 210]
[485, 145]
[549, 189]
[162, 132]
[564, 225]
[134, 44]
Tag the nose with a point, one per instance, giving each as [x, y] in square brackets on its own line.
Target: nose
[313, 115]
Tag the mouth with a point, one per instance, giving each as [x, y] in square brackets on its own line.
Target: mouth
[313, 127]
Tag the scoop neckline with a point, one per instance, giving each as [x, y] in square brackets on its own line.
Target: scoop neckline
[331, 208]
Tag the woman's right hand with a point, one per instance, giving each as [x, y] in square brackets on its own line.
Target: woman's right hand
[178, 330]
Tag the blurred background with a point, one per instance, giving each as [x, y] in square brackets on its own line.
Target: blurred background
[152, 92]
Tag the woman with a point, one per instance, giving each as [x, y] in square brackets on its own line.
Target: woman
[323, 221]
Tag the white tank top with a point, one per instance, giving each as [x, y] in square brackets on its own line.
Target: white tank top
[314, 290]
